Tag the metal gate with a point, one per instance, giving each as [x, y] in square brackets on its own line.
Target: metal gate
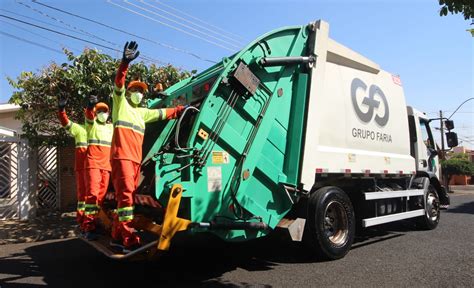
[48, 192]
[9, 178]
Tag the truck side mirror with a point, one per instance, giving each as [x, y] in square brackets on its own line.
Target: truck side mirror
[449, 124]
[452, 139]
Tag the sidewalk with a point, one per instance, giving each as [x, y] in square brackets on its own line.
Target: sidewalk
[54, 225]
[461, 189]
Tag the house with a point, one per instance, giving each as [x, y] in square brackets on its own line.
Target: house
[17, 173]
[32, 179]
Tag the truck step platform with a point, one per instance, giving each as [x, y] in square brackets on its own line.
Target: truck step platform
[102, 244]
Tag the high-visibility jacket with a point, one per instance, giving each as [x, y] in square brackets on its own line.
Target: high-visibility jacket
[129, 122]
[99, 140]
[80, 139]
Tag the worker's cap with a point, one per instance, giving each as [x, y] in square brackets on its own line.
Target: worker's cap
[101, 106]
[138, 84]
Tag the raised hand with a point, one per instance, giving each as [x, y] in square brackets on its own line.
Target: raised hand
[62, 102]
[130, 52]
[92, 101]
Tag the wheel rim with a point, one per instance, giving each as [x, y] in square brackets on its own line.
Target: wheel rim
[432, 206]
[336, 226]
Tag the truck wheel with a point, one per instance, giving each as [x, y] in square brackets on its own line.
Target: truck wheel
[430, 220]
[330, 222]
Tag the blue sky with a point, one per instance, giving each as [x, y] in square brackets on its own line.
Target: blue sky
[433, 55]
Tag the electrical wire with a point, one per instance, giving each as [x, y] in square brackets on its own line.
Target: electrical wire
[126, 32]
[143, 57]
[192, 23]
[202, 21]
[73, 37]
[64, 23]
[42, 22]
[39, 35]
[31, 42]
[184, 25]
[170, 26]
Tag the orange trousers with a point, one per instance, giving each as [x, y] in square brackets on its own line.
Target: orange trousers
[97, 182]
[125, 176]
[80, 194]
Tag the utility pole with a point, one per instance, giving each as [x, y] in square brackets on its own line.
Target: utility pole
[441, 128]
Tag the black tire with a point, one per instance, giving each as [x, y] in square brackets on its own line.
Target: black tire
[430, 219]
[330, 223]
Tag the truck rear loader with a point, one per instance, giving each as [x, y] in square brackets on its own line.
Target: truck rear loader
[295, 132]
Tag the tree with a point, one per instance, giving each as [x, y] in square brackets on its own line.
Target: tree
[458, 164]
[89, 73]
[466, 7]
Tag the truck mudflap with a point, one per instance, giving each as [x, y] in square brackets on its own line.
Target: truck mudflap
[161, 234]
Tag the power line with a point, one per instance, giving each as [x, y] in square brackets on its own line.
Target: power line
[202, 21]
[43, 22]
[170, 26]
[144, 57]
[184, 25]
[192, 23]
[74, 37]
[60, 33]
[125, 32]
[31, 42]
[37, 34]
[66, 24]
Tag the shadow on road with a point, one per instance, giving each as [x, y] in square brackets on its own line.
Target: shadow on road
[199, 262]
[44, 227]
[466, 208]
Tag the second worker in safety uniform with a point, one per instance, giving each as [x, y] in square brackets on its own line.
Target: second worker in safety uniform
[97, 163]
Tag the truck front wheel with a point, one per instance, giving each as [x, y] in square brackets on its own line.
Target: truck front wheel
[430, 220]
[330, 223]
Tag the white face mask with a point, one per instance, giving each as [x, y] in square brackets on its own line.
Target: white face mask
[102, 117]
[136, 97]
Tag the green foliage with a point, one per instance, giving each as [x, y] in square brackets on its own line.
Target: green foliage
[466, 7]
[457, 164]
[82, 75]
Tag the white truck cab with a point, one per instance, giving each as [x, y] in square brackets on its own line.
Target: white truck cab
[423, 147]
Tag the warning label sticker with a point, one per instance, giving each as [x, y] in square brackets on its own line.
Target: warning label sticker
[220, 157]
[214, 179]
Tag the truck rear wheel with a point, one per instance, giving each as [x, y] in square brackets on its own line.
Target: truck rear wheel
[430, 220]
[330, 222]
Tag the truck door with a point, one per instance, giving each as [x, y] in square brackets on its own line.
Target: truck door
[427, 154]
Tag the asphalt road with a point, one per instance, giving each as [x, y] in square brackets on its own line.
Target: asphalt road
[395, 255]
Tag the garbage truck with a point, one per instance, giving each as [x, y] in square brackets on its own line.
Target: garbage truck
[295, 132]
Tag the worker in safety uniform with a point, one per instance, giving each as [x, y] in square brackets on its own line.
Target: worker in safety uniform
[97, 163]
[79, 133]
[129, 126]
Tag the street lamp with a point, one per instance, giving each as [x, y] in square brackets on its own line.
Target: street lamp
[459, 107]
[450, 123]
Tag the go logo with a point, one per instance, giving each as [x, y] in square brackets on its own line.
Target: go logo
[370, 101]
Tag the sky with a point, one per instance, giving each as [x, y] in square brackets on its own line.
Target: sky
[433, 55]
